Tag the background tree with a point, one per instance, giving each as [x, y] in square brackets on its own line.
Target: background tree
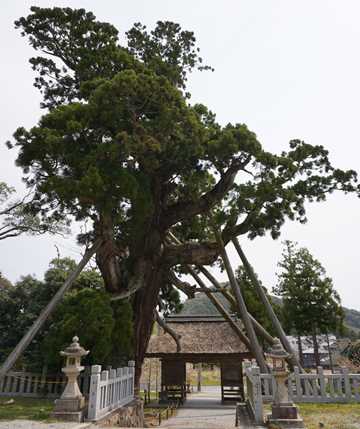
[4, 282]
[104, 327]
[120, 145]
[311, 306]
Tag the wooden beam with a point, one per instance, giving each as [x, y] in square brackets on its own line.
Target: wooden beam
[264, 299]
[257, 326]
[258, 352]
[260, 330]
[220, 308]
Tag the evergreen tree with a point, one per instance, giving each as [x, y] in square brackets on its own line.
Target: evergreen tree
[121, 145]
[311, 306]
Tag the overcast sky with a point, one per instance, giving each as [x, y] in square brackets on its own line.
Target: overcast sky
[288, 69]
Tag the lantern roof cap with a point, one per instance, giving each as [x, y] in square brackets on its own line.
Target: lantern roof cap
[74, 349]
[277, 351]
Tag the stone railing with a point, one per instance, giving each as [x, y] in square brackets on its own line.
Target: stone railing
[109, 390]
[36, 385]
[313, 387]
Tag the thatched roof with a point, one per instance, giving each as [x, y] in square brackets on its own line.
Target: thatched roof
[199, 336]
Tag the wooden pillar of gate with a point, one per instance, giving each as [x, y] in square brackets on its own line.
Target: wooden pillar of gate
[173, 380]
[232, 383]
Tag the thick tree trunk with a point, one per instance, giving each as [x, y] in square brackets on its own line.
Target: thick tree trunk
[143, 307]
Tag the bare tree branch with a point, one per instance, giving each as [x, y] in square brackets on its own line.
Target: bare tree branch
[167, 329]
[185, 287]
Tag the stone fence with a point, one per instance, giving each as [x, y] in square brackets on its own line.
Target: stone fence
[36, 385]
[331, 388]
[110, 390]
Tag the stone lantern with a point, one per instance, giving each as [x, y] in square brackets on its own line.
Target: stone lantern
[71, 403]
[284, 413]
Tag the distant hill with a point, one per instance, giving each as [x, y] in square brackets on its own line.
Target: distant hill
[201, 305]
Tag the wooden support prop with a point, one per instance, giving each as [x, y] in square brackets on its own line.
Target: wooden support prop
[275, 321]
[221, 309]
[257, 326]
[259, 355]
[260, 330]
[48, 310]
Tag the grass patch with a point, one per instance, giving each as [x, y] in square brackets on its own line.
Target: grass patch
[26, 409]
[333, 416]
[208, 377]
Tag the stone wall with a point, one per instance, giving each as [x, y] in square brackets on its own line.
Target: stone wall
[129, 416]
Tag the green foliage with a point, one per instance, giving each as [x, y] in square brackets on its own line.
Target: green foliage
[120, 125]
[88, 314]
[352, 352]
[4, 282]
[310, 303]
[169, 300]
[122, 338]
[103, 327]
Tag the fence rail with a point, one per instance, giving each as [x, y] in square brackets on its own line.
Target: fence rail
[318, 388]
[110, 390]
[36, 385]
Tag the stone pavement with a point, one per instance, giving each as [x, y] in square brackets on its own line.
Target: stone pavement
[203, 410]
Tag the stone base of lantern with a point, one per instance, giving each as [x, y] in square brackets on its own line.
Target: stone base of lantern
[285, 416]
[71, 410]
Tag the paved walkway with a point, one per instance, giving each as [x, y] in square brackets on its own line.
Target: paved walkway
[203, 410]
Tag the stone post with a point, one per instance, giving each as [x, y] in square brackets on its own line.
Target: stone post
[284, 413]
[71, 404]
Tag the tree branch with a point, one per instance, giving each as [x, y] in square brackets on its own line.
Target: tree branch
[134, 285]
[186, 209]
[185, 287]
[167, 329]
[191, 253]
